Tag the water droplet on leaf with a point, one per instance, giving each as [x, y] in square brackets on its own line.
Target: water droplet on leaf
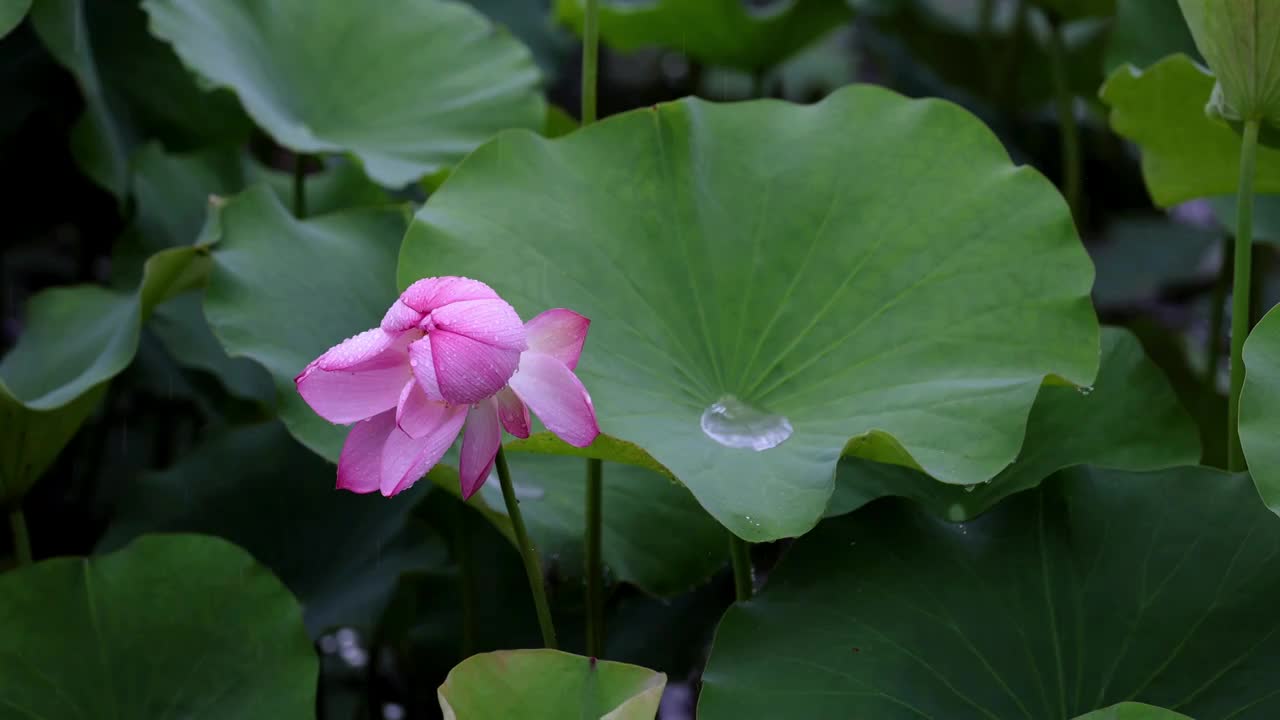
[735, 424]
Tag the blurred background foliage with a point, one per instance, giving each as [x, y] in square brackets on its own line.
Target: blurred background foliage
[114, 151]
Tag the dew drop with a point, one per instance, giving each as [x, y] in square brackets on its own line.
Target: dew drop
[1085, 389]
[970, 488]
[733, 423]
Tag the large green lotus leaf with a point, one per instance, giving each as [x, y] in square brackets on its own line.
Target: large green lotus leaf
[549, 685]
[740, 277]
[718, 32]
[1239, 41]
[407, 86]
[76, 339]
[11, 14]
[1099, 587]
[1185, 154]
[1260, 407]
[1067, 427]
[1143, 32]
[339, 552]
[171, 626]
[552, 491]
[1133, 711]
[282, 291]
[134, 88]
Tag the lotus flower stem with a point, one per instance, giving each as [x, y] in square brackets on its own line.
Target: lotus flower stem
[1071, 162]
[594, 563]
[1240, 292]
[740, 554]
[21, 540]
[528, 553]
[594, 569]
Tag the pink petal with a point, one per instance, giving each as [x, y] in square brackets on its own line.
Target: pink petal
[405, 459]
[430, 293]
[424, 368]
[360, 465]
[557, 397]
[357, 378]
[559, 333]
[417, 414]
[492, 322]
[513, 413]
[400, 317]
[479, 446]
[468, 370]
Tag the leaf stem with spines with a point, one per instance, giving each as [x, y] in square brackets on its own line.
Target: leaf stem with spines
[528, 553]
[1240, 290]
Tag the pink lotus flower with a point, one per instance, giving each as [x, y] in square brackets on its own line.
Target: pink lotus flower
[449, 353]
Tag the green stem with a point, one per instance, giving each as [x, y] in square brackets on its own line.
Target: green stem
[594, 562]
[1217, 322]
[590, 60]
[1240, 292]
[528, 553]
[21, 539]
[1065, 100]
[740, 554]
[595, 469]
[299, 186]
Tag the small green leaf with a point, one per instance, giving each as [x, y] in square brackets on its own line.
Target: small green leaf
[76, 339]
[718, 32]
[180, 324]
[173, 625]
[173, 189]
[728, 258]
[657, 537]
[1238, 39]
[1185, 154]
[1140, 255]
[1133, 711]
[549, 685]
[282, 291]
[281, 506]
[1099, 587]
[1067, 427]
[11, 14]
[407, 87]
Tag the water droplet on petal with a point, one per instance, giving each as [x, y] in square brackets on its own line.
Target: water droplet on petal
[735, 424]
